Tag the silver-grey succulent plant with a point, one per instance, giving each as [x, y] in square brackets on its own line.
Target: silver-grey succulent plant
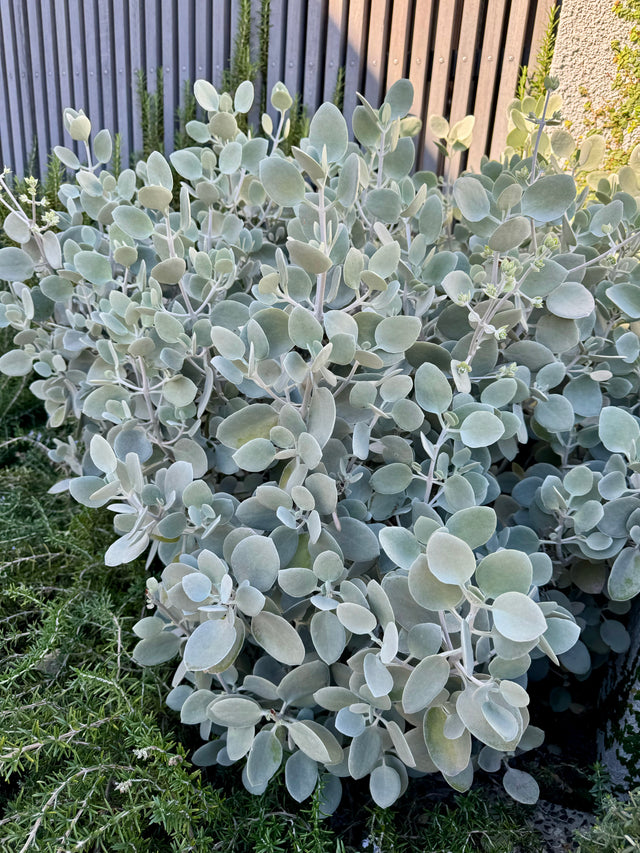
[379, 429]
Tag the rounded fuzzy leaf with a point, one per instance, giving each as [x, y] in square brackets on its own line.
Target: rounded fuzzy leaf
[157, 649]
[254, 421]
[282, 181]
[15, 363]
[169, 271]
[379, 679]
[243, 98]
[235, 711]
[197, 586]
[230, 158]
[17, 228]
[400, 545]
[356, 618]
[450, 755]
[471, 198]
[618, 430]
[312, 260]
[301, 776]
[624, 579]
[329, 129]
[179, 391]
[328, 635]
[81, 489]
[255, 455]
[450, 559]
[517, 617]
[474, 525]
[400, 98]
[481, 429]
[384, 204]
[432, 389]
[391, 479]
[510, 234]
[16, 265]
[315, 741]
[571, 300]
[385, 786]
[56, 288]
[91, 265]
[255, 559]
[428, 591]
[548, 197]
[397, 334]
[209, 644]
[206, 95]
[555, 413]
[102, 454]
[425, 682]
[264, 759]
[278, 638]
[133, 221]
[521, 786]
[159, 171]
[504, 571]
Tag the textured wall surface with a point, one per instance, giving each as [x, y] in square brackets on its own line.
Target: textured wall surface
[583, 55]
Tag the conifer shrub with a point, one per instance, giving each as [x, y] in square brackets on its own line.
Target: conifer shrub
[375, 431]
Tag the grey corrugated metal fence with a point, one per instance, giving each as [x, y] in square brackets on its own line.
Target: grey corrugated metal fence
[461, 55]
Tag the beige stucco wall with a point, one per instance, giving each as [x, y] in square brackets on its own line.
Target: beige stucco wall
[583, 55]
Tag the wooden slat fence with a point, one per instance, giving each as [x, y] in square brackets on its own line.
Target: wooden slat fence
[462, 56]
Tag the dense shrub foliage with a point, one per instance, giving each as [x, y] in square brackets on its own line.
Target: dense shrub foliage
[377, 429]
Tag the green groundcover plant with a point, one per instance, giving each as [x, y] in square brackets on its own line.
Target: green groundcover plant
[375, 431]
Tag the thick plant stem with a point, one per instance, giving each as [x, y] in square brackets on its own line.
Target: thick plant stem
[534, 158]
[322, 277]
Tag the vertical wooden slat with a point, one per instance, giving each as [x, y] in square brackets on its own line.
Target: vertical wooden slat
[336, 26]
[294, 51]
[420, 53]
[437, 95]
[255, 113]
[153, 53]
[218, 50]
[486, 81]
[15, 105]
[233, 23]
[65, 70]
[508, 75]
[376, 53]
[202, 41]
[105, 68]
[121, 74]
[169, 48]
[185, 54]
[275, 69]
[465, 59]
[137, 63]
[41, 127]
[464, 69]
[313, 55]
[91, 58]
[399, 40]
[355, 51]
[7, 155]
[51, 77]
[26, 108]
